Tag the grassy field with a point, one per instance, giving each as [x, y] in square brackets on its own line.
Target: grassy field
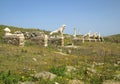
[104, 56]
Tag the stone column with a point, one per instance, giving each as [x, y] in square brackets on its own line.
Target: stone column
[62, 43]
[74, 33]
[21, 40]
[83, 40]
[46, 41]
[99, 36]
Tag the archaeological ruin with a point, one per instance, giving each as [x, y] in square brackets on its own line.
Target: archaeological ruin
[55, 38]
[15, 39]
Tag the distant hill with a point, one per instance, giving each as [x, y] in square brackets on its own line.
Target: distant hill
[113, 38]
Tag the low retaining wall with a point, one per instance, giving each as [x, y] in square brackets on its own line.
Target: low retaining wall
[15, 40]
[38, 40]
[56, 41]
[78, 41]
[49, 41]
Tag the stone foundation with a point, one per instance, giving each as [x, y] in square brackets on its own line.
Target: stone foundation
[78, 41]
[38, 40]
[14, 40]
[56, 41]
[44, 41]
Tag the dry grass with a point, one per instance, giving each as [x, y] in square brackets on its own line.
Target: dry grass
[39, 58]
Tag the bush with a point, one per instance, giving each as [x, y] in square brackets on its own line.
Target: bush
[60, 70]
[8, 78]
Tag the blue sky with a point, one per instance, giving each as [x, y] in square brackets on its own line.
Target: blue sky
[86, 15]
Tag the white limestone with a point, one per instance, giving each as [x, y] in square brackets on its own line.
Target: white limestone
[16, 39]
[59, 30]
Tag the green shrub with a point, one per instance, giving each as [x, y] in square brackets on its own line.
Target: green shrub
[8, 78]
[27, 74]
[60, 70]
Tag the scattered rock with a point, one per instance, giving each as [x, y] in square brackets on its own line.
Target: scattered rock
[69, 51]
[99, 64]
[75, 82]
[34, 59]
[111, 82]
[118, 62]
[61, 53]
[27, 82]
[116, 65]
[70, 68]
[91, 70]
[45, 75]
[56, 83]
[117, 77]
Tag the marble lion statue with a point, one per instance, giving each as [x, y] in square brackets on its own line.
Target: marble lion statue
[59, 30]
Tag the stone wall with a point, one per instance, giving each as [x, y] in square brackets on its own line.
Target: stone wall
[14, 39]
[51, 41]
[56, 42]
[38, 40]
[78, 41]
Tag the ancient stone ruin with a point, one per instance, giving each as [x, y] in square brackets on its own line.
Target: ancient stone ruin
[41, 40]
[95, 37]
[58, 41]
[15, 39]
[55, 38]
